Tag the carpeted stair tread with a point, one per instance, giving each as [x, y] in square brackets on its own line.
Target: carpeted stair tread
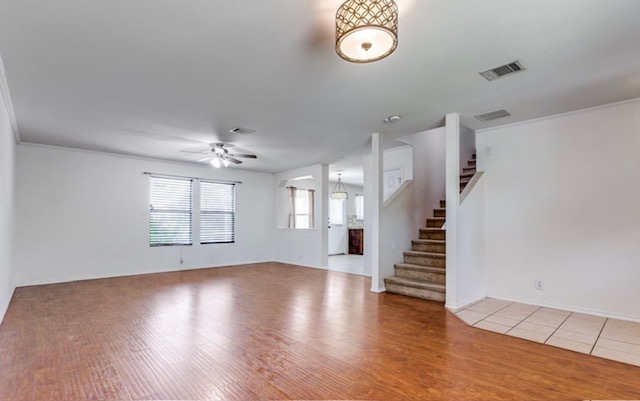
[408, 282]
[425, 254]
[432, 233]
[411, 266]
[432, 229]
[428, 241]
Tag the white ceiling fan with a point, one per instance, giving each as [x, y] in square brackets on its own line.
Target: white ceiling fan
[219, 155]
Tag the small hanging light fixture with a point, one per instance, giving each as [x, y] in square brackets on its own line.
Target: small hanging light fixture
[339, 191]
[366, 30]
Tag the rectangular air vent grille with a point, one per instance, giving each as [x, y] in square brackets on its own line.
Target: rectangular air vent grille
[503, 70]
[493, 115]
[240, 130]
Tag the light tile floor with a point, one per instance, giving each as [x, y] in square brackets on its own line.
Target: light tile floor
[353, 264]
[614, 339]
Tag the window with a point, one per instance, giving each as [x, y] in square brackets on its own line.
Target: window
[170, 209]
[336, 211]
[359, 207]
[301, 205]
[217, 212]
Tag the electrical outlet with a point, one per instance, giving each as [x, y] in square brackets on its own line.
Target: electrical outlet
[181, 261]
[488, 151]
[539, 284]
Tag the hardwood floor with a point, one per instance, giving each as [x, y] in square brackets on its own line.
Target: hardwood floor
[273, 331]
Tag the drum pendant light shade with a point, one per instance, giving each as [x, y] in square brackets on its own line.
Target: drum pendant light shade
[366, 30]
[339, 191]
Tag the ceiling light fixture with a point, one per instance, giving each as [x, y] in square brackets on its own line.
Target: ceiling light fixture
[339, 191]
[220, 160]
[392, 119]
[366, 30]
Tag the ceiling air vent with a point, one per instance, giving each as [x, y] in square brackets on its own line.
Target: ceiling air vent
[493, 115]
[240, 130]
[503, 70]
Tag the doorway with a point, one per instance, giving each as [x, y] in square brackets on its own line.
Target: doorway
[345, 217]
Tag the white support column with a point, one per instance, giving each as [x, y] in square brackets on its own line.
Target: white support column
[323, 199]
[377, 281]
[452, 172]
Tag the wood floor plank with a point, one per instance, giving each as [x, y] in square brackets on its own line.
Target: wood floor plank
[273, 331]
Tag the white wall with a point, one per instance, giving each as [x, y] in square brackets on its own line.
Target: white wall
[562, 205]
[467, 145]
[82, 215]
[428, 174]
[395, 231]
[306, 247]
[470, 268]
[7, 163]
[403, 214]
[466, 269]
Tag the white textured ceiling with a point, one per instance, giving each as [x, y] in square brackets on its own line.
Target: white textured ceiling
[152, 77]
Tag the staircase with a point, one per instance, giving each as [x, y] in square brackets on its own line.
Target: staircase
[423, 273]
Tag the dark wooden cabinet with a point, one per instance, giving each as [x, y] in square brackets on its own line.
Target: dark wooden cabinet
[356, 241]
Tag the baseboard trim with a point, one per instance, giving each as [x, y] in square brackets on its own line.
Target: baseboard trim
[378, 290]
[566, 308]
[59, 280]
[4, 307]
[464, 304]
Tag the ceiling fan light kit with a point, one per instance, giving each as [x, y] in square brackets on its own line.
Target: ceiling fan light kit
[366, 30]
[219, 156]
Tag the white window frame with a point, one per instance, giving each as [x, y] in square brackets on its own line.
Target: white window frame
[219, 232]
[173, 199]
[303, 200]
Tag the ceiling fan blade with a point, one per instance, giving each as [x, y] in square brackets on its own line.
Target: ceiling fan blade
[245, 156]
[206, 158]
[232, 160]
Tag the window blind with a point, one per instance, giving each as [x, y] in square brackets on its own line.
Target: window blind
[170, 208]
[217, 212]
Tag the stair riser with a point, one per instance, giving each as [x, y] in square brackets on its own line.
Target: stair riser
[416, 292]
[433, 248]
[421, 275]
[434, 223]
[471, 163]
[440, 234]
[443, 204]
[439, 213]
[469, 169]
[425, 261]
